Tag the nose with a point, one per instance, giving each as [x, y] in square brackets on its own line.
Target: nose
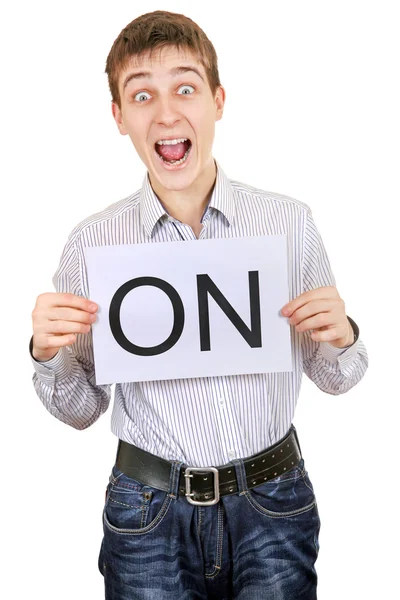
[166, 113]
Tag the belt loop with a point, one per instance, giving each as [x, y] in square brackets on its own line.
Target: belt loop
[173, 486]
[240, 475]
[297, 438]
[118, 447]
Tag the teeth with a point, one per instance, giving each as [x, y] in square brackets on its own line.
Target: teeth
[171, 142]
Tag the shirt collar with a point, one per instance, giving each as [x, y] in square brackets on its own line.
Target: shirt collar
[151, 209]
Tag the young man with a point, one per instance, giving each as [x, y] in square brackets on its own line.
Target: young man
[245, 526]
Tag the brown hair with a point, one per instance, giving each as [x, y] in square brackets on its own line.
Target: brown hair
[156, 30]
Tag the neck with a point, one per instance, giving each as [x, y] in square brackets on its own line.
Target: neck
[188, 205]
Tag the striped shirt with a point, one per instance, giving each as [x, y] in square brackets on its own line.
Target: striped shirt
[209, 420]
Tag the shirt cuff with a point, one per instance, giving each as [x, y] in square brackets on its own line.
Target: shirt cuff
[345, 355]
[56, 368]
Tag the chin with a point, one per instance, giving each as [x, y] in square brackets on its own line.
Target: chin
[173, 180]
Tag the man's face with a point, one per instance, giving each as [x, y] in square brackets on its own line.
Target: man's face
[164, 102]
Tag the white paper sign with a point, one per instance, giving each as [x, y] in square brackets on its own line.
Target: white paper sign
[189, 309]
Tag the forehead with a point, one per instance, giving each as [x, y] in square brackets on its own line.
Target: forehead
[162, 56]
[160, 60]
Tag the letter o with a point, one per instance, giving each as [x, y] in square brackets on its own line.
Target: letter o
[115, 316]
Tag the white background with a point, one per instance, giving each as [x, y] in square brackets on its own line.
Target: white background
[311, 112]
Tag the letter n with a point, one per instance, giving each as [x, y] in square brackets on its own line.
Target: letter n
[252, 335]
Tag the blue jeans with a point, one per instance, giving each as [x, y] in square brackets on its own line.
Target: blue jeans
[258, 544]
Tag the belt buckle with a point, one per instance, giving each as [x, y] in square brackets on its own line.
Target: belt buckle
[189, 493]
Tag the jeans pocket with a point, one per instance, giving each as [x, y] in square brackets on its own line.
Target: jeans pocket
[132, 507]
[287, 495]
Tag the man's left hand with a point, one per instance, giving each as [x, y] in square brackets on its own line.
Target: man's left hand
[322, 310]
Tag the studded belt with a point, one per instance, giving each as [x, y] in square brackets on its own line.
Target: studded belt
[205, 485]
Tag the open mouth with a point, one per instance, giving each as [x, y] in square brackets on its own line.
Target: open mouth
[174, 152]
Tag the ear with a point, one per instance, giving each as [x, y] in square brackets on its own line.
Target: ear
[219, 102]
[117, 114]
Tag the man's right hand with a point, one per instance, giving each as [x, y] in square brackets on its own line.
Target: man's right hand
[56, 320]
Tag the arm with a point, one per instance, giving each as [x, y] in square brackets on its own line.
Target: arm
[66, 383]
[334, 370]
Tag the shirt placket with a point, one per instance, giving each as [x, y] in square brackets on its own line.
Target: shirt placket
[232, 443]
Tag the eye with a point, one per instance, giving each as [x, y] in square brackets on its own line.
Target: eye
[139, 94]
[186, 86]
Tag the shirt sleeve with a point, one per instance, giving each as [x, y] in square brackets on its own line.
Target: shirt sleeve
[66, 383]
[333, 370]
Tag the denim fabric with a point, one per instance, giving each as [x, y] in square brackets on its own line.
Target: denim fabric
[260, 543]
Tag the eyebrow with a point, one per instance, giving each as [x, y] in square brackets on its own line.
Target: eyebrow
[174, 72]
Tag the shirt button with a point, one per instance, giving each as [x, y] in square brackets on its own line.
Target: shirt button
[221, 401]
[231, 454]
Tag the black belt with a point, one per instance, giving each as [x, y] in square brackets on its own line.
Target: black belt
[205, 485]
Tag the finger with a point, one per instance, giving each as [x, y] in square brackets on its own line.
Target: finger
[53, 341]
[321, 320]
[73, 301]
[61, 327]
[324, 292]
[327, 335]
[66, 299]
[311, 309]
[57, 341]
[71, 314]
